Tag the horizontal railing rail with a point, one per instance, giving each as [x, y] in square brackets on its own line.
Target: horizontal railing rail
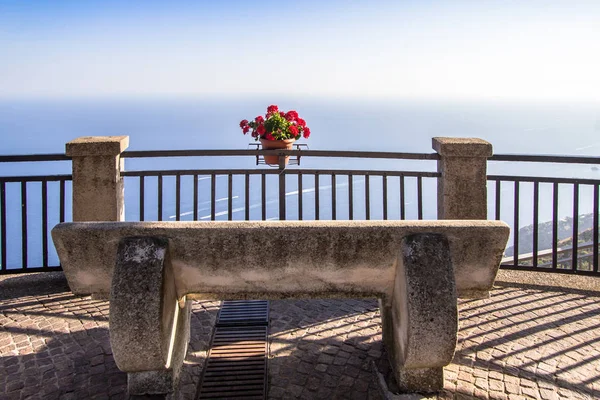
[303, 153]
[312, 153]
[542, 179]
[174, 172]
[34, 157]
[545, 158]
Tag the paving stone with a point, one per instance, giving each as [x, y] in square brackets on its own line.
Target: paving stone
[522, 342]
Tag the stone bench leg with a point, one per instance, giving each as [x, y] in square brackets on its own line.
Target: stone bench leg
[149, 330]
[420, 320]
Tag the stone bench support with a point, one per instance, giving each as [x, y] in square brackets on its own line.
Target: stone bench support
[151, 269]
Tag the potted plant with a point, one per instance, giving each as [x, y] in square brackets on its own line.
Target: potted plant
[276, 130]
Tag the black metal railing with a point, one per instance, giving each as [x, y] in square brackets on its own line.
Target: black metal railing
[554, 220]
[345, 194]
[30, 205]
[562, 241]
[403, 181]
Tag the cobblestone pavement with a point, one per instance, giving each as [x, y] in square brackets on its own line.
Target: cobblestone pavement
[523, 342]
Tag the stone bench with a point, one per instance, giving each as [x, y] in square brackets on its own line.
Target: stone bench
[150, 271]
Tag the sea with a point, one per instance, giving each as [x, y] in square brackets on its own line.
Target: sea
[44, 126]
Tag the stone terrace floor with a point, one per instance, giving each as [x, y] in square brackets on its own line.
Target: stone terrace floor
[528, 340]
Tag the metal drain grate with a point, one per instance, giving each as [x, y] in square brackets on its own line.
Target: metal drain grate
[244, 313]
[236, 367]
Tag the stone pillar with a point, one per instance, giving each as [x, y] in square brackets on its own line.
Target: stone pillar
[462, 190]
[97, 182]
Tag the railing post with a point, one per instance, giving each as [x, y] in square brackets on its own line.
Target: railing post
[97, 182]
[462, 190]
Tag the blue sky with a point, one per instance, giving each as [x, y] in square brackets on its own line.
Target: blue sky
[361, 49]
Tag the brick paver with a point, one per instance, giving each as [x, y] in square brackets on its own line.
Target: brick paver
[323, 349]
[56, 346]
[523, 342]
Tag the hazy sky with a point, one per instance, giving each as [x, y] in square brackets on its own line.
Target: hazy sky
[522, 49]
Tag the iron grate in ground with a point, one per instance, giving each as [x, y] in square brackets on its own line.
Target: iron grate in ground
[243, 313]
[236, 367]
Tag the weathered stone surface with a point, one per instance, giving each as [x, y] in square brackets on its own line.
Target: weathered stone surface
[97, 183]
[226, 260]
[420, 323]
[462, 192]
[139, 321]
[462, 147]
[97, 146]
[148, 330]
[426, 380]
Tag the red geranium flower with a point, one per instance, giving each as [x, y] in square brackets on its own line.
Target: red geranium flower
[291, 115]
[245, 129]
[243, 123]
[272, 109]
[306, 133]
[293, 130]
[301, 122]
[260, 129]
[259, 119]
[268, 136]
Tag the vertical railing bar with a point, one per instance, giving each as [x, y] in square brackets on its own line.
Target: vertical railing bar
[402, 199]
[516, 225]
[350, 197]
[213, 194]
[160, 197]
[420, 196]
[300, 196]
[333, 198]
[62, 205]
[554, 224]
[247, 197]
[142, 197]
[3, 225]
[498, 193]
[177, 197]
[536, 211]
[24, 224]
[230, 197]
[263, 188]
[195, 197]
[367, 197]
[44, 223]
[575, 226]
[317, 195]
[595, 267]
[281, 195]
[385, 196]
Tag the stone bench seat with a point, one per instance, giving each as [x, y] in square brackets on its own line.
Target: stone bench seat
[150, 271]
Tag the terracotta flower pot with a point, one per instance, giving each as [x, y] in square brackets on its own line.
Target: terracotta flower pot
[286, 144]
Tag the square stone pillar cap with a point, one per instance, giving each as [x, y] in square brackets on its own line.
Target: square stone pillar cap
[462, 147]
[97, 146]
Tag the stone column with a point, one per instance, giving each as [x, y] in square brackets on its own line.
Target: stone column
[462, 190]
[97, 182]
